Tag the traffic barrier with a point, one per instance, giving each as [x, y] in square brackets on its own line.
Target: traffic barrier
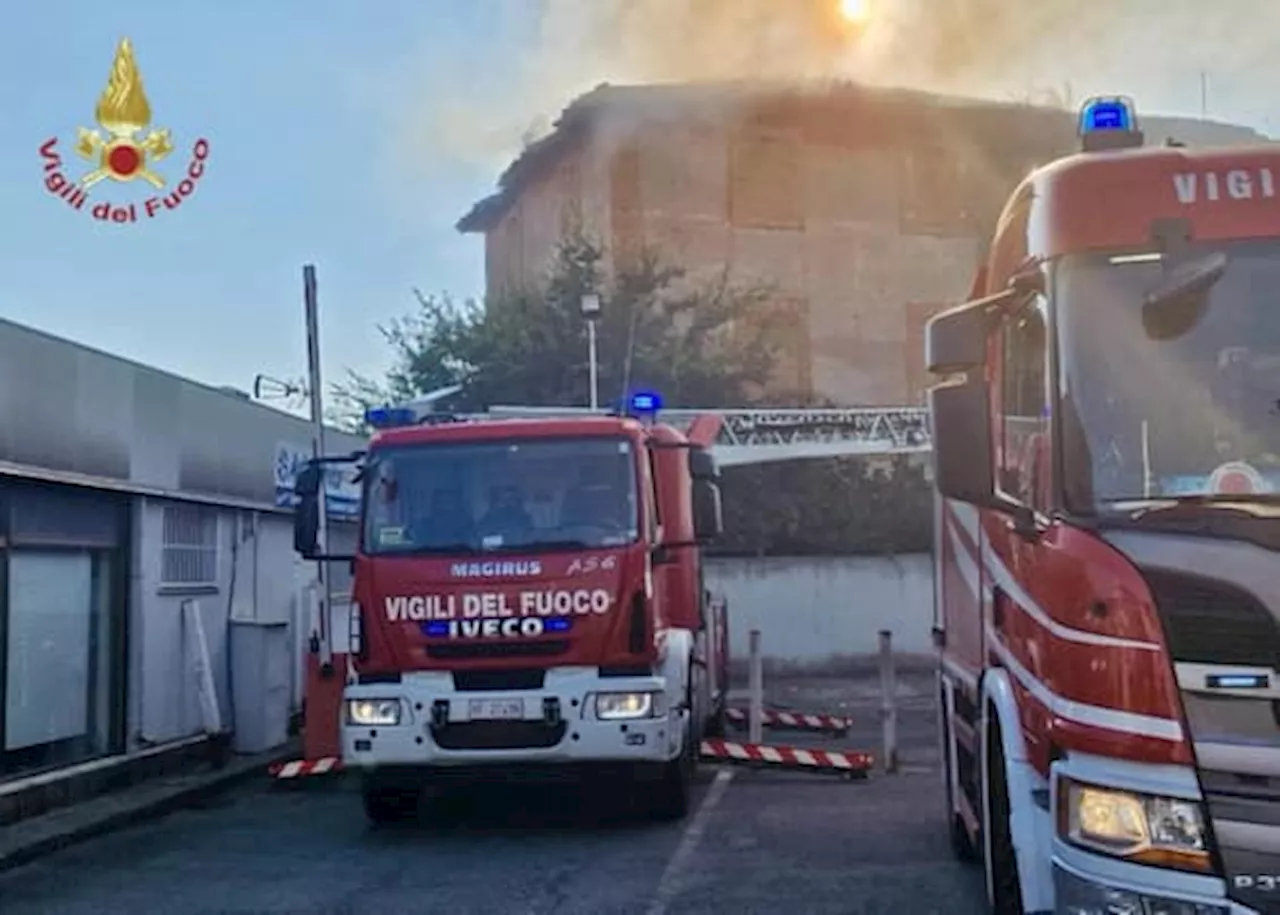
[299, 768]
[780, 720]
[849, 763]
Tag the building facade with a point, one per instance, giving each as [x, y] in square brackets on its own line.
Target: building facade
[863, 210]
[125, 494]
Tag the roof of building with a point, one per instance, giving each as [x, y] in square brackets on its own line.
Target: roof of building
[584, 112]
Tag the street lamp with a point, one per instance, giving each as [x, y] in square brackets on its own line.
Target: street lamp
[591, 312]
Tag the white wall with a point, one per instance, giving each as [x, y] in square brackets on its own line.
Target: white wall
[268, 578]
[816, 609]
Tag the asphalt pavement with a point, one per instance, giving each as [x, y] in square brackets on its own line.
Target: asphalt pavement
[757, 842]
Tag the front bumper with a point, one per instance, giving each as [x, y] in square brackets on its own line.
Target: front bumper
[428, 735]
[1088, 884]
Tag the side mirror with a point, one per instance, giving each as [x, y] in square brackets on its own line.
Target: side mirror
[956, 339]
[662, 556]
[306, 516]
[708, 517]
[702, 465]
[963, 460]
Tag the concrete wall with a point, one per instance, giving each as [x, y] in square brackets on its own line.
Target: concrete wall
[816, 612]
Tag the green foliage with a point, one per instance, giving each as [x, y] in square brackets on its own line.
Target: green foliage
[831, 506]
[709, 345]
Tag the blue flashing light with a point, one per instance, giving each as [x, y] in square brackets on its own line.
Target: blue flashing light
[390, 417]
[1106, 115]
[559, 624]
[436, 629]
[646, 402]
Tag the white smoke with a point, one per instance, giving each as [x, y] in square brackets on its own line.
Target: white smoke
[1173, 56]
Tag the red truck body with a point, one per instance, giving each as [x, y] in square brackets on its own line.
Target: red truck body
[566, 627]
[1106, 539]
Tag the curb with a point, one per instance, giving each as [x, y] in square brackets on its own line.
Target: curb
[120, 811]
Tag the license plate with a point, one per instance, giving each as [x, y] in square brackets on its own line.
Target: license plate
[495, 709]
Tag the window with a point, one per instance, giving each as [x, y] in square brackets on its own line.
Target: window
[503, 495]
[934, 188]
[189, 552]
[766, 181]
[1025, 406]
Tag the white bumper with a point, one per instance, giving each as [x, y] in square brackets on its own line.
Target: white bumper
[442, 726]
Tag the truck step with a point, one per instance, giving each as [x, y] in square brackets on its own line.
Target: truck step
[299, 768]
[849, 763]
[779, 720]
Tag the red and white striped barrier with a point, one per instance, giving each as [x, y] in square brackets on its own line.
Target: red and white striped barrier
[300, 767]
[850, 762]
[793, 721]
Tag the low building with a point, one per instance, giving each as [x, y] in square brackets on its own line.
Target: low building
[126, 492]
[864, 209]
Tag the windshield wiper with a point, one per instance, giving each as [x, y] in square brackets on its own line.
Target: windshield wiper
[1246, 502]
[539, 545]
[443, 549]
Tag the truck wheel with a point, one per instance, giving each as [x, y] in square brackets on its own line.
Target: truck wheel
[385, 804]
[962, 846]
[671, 797]
[1004, 891]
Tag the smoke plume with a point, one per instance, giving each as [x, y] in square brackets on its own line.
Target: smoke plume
[1041, 50]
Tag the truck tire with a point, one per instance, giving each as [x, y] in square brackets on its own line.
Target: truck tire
[672, 792]
[962, 846]
[1000, 863]
[385, 804]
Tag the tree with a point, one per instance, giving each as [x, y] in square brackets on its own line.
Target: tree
[708, 345]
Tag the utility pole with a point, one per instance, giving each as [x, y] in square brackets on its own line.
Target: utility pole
[1204, 94]
[311, 308]
[591, 312]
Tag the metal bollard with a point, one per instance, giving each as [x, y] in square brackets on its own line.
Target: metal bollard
[755, 718]
[888, 702]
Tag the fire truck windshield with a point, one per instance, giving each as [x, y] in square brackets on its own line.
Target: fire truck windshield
[1158, 395]
[500, 495]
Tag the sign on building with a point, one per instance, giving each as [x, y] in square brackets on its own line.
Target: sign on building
[341, 492]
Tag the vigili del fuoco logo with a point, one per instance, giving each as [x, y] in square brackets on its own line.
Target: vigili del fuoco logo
[122, 153]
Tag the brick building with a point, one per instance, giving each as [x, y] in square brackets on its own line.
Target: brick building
[864, 209]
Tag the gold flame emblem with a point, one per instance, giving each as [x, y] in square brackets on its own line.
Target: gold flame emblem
[123, 113]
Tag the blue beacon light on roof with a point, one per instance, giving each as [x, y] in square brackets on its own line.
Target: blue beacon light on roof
[1106, 114]
[1109, 124]
[646, 402]
[389, 417]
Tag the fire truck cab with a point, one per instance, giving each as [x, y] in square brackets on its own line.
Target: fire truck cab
[1107, 535]
[528, 601]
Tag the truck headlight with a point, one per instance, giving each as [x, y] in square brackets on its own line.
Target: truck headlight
[373, 712]
[617, 706]
[1160, 831]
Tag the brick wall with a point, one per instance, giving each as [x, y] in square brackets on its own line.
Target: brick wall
[863, 216]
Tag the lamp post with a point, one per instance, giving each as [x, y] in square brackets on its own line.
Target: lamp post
[591, 312]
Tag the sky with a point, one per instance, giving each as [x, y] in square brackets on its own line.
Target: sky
[300, 104]
[352, 136]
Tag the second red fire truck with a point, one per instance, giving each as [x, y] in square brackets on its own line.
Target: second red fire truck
[1107, 447]
[528, 599]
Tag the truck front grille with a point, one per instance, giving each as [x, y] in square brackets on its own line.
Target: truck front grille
[499, 735]
[1207, 621]
[475, 651]
[1222, 626]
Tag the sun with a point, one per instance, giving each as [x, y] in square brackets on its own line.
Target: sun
[855, 12]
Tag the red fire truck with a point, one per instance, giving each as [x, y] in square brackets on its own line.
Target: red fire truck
[1107, 538]
[528, 599]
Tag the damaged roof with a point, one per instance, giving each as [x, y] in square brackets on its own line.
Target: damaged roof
[575, 123]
